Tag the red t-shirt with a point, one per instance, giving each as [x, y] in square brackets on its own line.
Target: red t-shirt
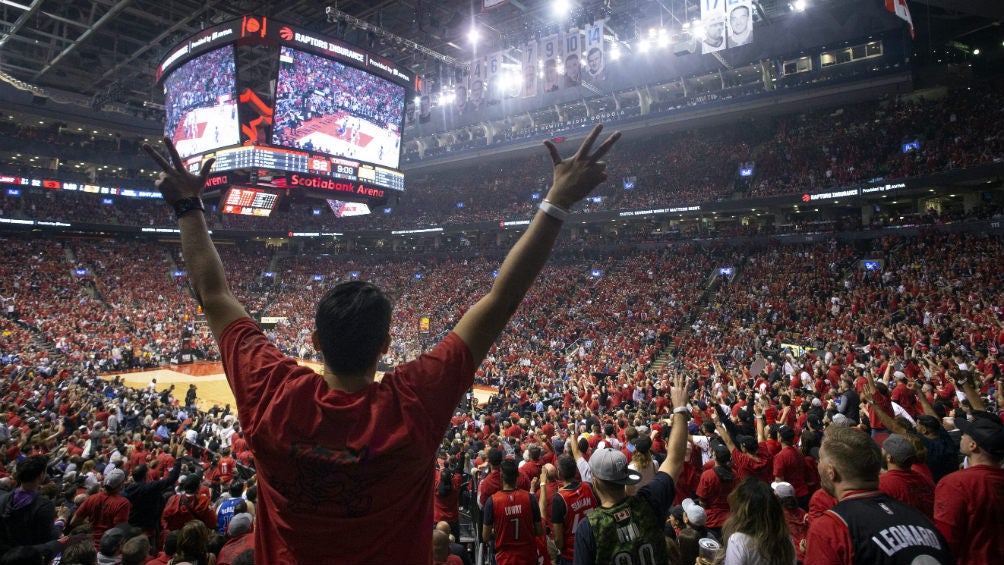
[911, 488]
[714, 495]
[334, 461]
[447, 508]
[968, 510]
[104, 511]
[789, 465]
[820, 502]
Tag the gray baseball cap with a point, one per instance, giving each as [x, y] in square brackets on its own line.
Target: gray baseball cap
[610, 465]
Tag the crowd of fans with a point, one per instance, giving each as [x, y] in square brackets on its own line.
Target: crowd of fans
[799, 343]
[801, 334]
[312, 87]
[831, 148]
[200, 83]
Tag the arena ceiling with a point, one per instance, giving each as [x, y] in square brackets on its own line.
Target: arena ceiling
[104, 52]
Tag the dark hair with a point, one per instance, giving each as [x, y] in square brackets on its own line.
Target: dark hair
[353, 321]
[30, 469]
[236, 489]
[139, 473]
[566, 468]
[171, 542]
[756, 512]
[23, 555]
[135, 550]
[245, 557]
[82, 553]
[445, 486]
[510, 471]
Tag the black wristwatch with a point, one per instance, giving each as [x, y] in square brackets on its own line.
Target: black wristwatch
[186, 205]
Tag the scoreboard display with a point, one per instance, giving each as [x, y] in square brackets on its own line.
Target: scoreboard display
[246, 201]
[328, 118]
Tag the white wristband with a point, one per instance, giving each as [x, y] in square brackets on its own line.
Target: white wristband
[682, 409]
[553, 210]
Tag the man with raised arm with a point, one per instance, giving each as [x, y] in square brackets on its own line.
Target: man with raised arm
[631, 529]
[338, 452]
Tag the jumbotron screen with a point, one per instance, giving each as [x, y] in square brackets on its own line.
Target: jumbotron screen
[324, 106]
[201, 102]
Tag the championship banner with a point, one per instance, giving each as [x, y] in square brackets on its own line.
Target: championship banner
[740, 22]
[572, 59]
[550, 52]
[595, 55]
[529, 86]
[713, 23]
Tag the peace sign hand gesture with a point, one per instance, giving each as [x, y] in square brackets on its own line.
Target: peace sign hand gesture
[578, 175]
[176, 182]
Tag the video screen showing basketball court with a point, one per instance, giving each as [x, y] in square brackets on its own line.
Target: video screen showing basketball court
[201, 102]
[327, 107]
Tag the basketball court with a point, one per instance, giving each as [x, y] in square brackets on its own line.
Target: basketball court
[211, 382]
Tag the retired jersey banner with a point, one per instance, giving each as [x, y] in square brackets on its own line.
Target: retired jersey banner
[740, 23]
[550, 51]
[594, 53]
[477, 84]
[493, 76]
[530, 59]
[713, 25]
[572, 59]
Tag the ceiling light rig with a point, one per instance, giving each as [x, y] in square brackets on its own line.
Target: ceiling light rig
[334, 15]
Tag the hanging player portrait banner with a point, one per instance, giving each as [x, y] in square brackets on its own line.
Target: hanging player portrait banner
[572, 59]
[594, 54]
[493, 76]
[550, 52]
[713, 23]
[489, 4]
[530, 58]
[740, 22]
[477, 84]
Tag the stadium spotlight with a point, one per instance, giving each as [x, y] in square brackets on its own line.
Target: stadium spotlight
[663, 38]
[473, 36]
[643, 46]
[798, 5]
[697, 29]
[615, 52]
[976, 51]
[561, 8]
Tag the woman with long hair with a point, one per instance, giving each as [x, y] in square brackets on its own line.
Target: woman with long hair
[193, 545]
[756, 532]
[641, 461]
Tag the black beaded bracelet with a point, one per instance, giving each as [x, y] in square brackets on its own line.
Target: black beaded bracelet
[186, 205]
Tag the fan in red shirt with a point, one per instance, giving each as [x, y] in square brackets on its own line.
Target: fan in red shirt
[789, 466]
[106, 509]
[239, 538]
[446, 507]
[715, 486]
[337, 451]
[900, 481]
[226, 466]
[968, 503]
[512, 521]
